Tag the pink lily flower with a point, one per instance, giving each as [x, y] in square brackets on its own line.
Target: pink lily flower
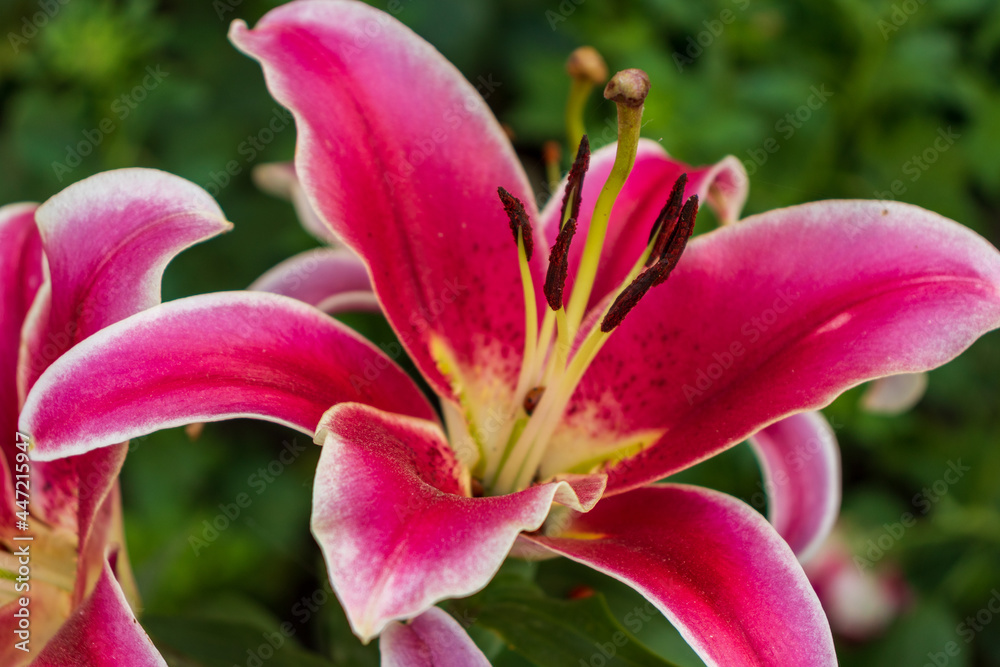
[800, 454]
[88, 257]
[557, 421]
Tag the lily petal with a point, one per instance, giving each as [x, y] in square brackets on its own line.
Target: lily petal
[207, 358]
[392, 515]
[20, 277]
[108, 239]
[433, 639]
[102, 527]
[333, 280]
[723, 185]
[777, 315]
[801, 463]
[402, 158]
[895, 394]
[710, 564]
[75, 487]
[279, 179]
[101, 633]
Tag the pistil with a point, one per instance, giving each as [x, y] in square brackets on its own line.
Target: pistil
[628, 89]
[555, 277]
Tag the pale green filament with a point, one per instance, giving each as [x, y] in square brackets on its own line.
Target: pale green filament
[530, 323]
[528, 364]
[629, 124]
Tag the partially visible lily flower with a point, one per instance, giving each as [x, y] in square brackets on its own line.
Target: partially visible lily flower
[333, 279]
[568, 386]
[90, 256]
[279, 179]
[860, 603]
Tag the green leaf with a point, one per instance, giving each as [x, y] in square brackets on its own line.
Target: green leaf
[553, 632]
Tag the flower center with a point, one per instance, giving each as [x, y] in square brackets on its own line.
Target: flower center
[558, 353]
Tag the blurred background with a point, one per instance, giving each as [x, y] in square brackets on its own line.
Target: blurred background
[849, 98]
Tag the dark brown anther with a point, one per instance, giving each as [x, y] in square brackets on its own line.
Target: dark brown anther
[574, 182]
[518, 220]
[666, 223]
[628, 299]
[658, 273]
[555, 276]
[532, 398]
[685, 227]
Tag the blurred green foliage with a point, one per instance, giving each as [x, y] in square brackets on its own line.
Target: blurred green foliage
[78, 95]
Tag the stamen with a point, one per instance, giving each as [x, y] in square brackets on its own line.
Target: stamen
[520, 226]
[531, 399]
[574, 182]
[555, 277]
[656, 274]
[666, 223]
[628, 89]
[629, 297]
[678, 242]
[586, 66]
